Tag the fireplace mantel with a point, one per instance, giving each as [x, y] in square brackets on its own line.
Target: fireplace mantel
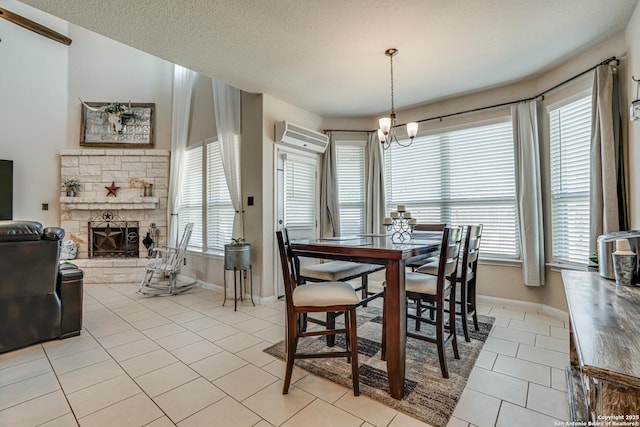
[109, 203]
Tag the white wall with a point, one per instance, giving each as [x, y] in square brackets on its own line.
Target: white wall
[40, 82]
[33, 115]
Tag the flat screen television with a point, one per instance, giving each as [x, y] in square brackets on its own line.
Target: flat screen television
[6, 189]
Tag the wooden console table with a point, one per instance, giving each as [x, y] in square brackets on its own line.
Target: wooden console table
[604, 377]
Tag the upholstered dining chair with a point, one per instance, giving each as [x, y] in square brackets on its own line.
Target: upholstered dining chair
[426, 228]
[312, 298]
[339, 271]
[430, 293]
[466, 277]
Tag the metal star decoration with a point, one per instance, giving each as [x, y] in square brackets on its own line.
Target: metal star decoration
[108, 238]
[111, 190]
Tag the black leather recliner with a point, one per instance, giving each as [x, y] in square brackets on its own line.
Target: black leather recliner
[39, 299]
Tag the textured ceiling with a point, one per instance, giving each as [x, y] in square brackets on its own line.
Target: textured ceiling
[327, 56]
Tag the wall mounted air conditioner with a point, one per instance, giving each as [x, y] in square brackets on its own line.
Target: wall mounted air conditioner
[289, 134]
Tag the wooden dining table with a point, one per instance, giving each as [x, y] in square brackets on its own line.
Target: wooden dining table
[394, 255]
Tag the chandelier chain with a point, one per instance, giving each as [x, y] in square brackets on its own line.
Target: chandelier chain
[392, 103]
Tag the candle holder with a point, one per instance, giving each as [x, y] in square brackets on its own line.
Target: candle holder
[400, 223]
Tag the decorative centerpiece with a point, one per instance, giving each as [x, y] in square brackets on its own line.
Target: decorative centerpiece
[72, 185]
[400, 223]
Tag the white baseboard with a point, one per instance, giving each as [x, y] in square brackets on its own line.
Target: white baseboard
[220, 288]
[550, 311]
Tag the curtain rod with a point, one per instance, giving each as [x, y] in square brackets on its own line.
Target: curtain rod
[473, 110]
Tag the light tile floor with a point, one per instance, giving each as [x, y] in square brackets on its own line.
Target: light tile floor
[186, 360]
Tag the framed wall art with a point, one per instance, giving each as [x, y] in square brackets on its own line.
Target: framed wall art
[114, 124]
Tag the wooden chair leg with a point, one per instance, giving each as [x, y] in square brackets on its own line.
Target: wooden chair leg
[452, 322]
[347, 335]
[440, 340]
[463, 311]
[331, 324]
[418, 312]
[472, 302]
[353, 338]
[365, 287]
[292, 342]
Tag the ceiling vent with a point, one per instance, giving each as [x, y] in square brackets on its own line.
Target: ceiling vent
[289, 134]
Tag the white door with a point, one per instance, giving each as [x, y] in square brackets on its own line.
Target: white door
[297, 200]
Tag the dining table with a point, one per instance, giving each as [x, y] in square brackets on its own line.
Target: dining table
[394, 254]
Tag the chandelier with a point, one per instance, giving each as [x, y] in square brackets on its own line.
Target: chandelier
[387, 131]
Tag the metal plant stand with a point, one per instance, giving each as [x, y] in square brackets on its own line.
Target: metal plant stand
[237, 258]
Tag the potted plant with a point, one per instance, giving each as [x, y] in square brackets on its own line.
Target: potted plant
[237, 254]
[72, 185]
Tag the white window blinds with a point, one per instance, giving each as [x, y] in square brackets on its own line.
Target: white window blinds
[350, 165]
[190, 208]
[460, 177]
[300, 188]
[570, 148]
[220, 211]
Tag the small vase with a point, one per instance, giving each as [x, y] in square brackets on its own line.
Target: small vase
[71, 192]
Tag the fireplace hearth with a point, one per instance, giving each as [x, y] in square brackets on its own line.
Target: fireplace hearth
[113, 237]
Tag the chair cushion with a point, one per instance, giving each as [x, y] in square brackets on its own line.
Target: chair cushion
[322, 294]
[421, 283]
[336, 270]
[432, 268]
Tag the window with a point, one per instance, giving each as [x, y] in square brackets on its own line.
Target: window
[570, 147]
[190, 208]
[350, 173]
[220, 211]
[460, 177]
[212, 187]
[300, 192]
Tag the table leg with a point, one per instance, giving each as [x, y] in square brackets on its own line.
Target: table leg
[395, 301]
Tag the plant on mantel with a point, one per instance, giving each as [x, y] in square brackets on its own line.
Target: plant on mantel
[72, 185]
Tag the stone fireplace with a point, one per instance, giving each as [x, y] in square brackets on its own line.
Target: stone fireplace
[107, 229]
[113, 237]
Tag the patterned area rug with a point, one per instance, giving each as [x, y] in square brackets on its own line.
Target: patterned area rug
[428, 396]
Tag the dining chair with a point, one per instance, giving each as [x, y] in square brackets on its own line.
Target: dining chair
[313, 298]
[339, 271]
[466, 277]
[431, 292]
[424, 227]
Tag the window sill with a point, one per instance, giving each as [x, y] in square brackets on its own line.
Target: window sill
[208, 254]
[557, 266]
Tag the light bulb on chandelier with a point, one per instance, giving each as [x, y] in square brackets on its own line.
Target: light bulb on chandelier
[388, 125]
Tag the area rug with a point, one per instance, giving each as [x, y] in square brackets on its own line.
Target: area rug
[428, 396]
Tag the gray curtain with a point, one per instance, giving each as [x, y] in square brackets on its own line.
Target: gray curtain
[529, 191]
[608, 192]
[375, 208]
[329, 212]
